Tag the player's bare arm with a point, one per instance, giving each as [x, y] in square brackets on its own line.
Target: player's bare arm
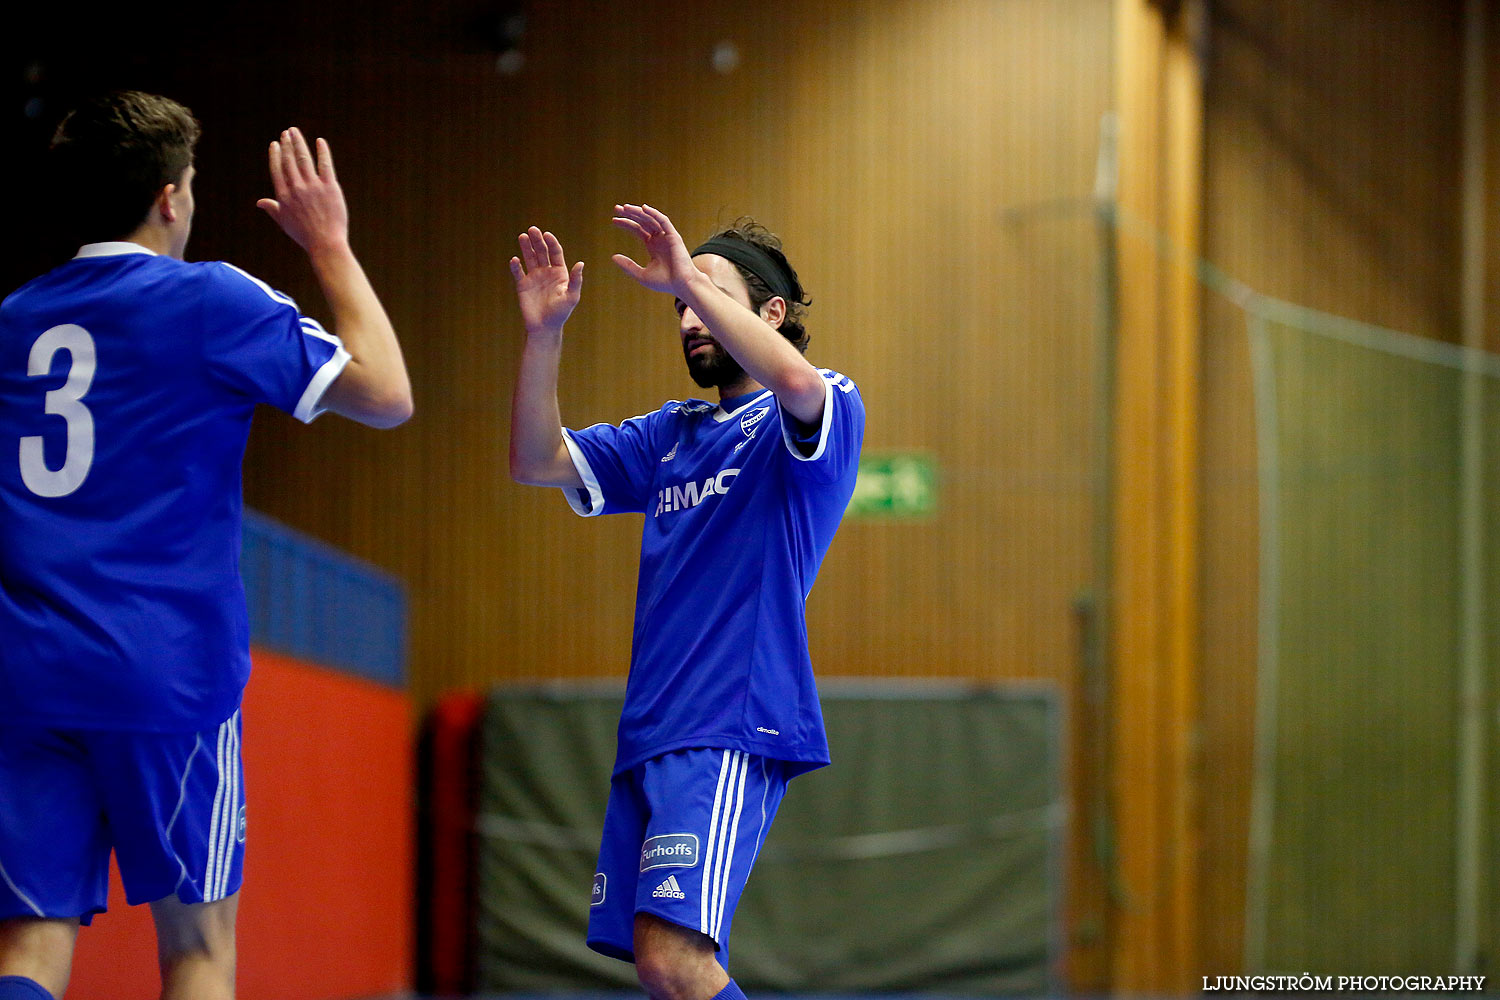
[547, 292]
[374, 388]
[750, 338]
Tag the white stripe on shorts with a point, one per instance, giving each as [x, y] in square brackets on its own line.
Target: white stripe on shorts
[234, 813]
[182, 785]
[734, 833]
[187, 769]
[30, 903]
[229, 828]
[708, 848]
[729, 800]
[210, 872]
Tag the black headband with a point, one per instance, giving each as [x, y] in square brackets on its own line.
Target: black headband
[767, 265]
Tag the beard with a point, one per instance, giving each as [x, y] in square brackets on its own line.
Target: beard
[714, 368]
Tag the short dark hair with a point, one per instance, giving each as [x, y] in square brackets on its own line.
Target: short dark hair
[747, 229]
[111, 155]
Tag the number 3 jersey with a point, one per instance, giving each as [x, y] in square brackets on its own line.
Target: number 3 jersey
[127, 384]
[740, 508]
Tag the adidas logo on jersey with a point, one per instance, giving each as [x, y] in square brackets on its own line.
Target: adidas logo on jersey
[669, 889]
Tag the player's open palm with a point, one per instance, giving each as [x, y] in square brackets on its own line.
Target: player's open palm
[669, 265]
[309, 204]
[545, 288]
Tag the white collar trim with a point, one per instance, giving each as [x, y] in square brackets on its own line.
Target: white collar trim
[720, 415]
[113, 249]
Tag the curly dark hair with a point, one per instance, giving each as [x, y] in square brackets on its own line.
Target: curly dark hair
[747, 229]
[111, 155]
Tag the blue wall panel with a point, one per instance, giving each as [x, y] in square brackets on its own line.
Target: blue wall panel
[311, 601]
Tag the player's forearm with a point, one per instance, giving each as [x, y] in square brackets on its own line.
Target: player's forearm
[374, 388]
[767, 356]
[538, 456]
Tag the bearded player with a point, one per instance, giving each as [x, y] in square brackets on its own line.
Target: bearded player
[741, 497]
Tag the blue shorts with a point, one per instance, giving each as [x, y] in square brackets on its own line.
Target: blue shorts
[171, 806]
[681, 833]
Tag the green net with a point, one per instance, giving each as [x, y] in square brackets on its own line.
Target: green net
[1377, 589]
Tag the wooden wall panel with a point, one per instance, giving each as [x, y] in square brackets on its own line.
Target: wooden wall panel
[1331, 180]
[884, 142]
[928, 163]
[924, 160]
[1156, 661]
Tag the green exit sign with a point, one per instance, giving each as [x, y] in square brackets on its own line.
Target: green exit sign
[895, 485]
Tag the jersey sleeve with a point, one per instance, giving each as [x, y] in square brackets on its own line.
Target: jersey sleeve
[616, 464]
[830, 450]
[259, 345]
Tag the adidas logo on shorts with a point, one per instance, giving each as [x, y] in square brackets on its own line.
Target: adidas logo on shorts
[669, 889]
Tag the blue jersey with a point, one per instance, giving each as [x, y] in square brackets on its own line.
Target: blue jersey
[127, 383]
[740, 509]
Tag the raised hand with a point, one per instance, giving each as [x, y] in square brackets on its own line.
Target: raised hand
[669, 265]
[546, 289]
[309, 204]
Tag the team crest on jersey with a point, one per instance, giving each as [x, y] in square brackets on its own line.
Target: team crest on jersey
[755, 416]
[670, 850]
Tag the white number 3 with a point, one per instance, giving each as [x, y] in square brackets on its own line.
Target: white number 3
[65, 402]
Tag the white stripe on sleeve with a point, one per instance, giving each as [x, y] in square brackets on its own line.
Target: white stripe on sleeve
[791, 445]
[271, 293]
[313, 328]
[595, 505]
[309, 407]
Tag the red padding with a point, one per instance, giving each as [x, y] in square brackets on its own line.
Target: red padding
[447, 867]
[325, 913]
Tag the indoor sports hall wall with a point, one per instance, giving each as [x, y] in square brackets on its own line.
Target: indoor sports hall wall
[1332, 176]
[930, 163]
